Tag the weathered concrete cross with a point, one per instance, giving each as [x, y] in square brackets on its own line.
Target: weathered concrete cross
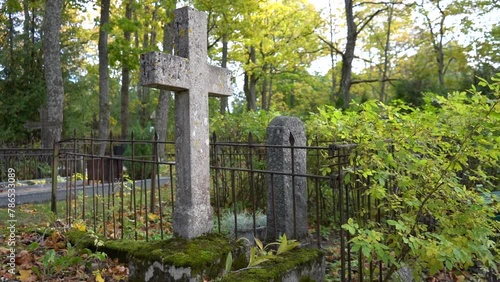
[189, 75]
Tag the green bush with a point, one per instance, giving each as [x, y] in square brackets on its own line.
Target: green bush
[444, 155]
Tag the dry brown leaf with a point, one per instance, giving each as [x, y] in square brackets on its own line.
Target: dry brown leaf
[26, 275]
[23, 259]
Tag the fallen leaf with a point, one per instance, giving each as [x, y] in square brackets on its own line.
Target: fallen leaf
[4, 251]
[153, 217]
[98, 276]
[25, 275]
[23, 259]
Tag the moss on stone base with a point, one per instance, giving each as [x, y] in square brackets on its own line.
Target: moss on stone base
[204, 255]
[275, 270]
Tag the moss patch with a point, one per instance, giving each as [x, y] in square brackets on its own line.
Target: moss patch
[197, 254]
[204, 255]
[276, 269]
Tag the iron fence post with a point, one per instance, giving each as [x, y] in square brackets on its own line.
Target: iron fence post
[55, 164]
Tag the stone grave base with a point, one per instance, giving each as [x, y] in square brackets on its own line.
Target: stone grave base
[203, 259]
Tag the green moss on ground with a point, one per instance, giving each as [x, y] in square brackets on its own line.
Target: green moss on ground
[275, 269]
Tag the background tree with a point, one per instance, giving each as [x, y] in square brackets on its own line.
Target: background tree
[272, 43]
[165, 97]
[104, 105]
[53, 71]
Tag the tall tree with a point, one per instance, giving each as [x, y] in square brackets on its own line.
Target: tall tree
[53, 71]
[357, 17]
[124, 91]
[104, 104]
[165, 98]
[272, 43]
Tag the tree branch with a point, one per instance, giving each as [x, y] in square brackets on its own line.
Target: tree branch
[368, 20]
[373, 80]
[330, 44]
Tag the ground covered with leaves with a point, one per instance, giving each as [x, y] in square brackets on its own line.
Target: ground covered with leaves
[43, 253]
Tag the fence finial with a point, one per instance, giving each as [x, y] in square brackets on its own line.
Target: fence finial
[291, 139]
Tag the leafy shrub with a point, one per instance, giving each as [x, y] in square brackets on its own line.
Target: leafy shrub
[236, 127]
[442, 157]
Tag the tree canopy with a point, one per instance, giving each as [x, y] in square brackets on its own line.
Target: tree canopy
[365, 50]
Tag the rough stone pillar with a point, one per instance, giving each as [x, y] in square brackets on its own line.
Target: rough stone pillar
[287, 194]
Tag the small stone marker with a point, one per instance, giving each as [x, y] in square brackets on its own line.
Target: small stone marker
[288, 212]
[192, 79]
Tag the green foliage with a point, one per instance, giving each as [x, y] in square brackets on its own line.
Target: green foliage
[260, 253]
[237, 127]
[57, 262]
[441, 158]
[141, 151]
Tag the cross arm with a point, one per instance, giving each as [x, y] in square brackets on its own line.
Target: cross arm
[168, 72]
[164, 71]
[219, 82]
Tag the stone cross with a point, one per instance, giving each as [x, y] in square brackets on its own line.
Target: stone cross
[43, 124]
[189, 75]
[287, 193]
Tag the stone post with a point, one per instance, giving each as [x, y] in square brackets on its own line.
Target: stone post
[287, 193]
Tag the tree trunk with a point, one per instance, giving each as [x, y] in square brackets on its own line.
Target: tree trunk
[11, 39]
[26, 30]
[386, 55]
[440, 53]
[53, 71]
[263, 92]
[165, 99]
[147, 41]
[104, 107]
[124, 91]
[348, 56]
[224, 104]
[270, 94]
[249, 86]
[333, 90]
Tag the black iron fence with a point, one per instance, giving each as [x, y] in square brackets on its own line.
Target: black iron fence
[128, 192]
[28, 163]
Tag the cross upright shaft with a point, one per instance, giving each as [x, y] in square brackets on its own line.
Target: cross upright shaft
[188, 74]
